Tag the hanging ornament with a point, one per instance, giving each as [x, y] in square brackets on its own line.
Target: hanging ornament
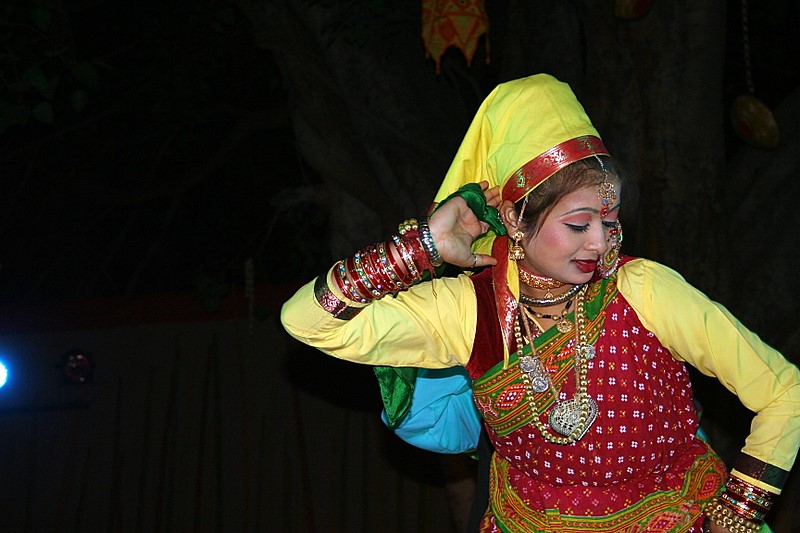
[631, 9]
[458, 23]
[752, 120]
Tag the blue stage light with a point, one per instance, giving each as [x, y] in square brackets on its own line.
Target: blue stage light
[3, 374]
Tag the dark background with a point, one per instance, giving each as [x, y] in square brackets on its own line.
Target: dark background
[150, 146]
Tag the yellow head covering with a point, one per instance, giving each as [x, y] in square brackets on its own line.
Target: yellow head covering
[524, 131]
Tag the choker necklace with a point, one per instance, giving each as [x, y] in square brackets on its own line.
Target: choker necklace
[554, 300]
[539, 282]
[563, 325]
[572, 418]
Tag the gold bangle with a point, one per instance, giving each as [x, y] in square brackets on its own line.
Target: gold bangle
[724, 517]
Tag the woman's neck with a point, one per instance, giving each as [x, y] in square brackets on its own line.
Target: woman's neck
[536, 297]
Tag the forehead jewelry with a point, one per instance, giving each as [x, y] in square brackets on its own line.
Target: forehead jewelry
[605, 190]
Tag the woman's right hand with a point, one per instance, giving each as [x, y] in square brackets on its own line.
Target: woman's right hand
[454, 227]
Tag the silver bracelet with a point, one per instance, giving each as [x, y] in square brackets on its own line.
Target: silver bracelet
[428, 245]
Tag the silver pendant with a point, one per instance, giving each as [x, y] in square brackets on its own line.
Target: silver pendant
[539, 379]
[585, 351]
[565, 416]
[540, 384]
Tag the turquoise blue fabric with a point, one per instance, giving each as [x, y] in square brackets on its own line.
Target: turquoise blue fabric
[442, 417]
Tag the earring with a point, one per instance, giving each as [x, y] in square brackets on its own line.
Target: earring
[607, 266]
[516, 252]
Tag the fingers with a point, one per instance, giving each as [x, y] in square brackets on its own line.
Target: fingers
[492, 194]
[480, 260]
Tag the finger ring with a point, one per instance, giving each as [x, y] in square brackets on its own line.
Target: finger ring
[474, 259]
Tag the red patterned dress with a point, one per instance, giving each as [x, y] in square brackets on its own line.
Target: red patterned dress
[640, 468]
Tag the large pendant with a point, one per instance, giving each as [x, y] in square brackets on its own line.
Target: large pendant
[565, 416]
[539, 379]
[585, 351]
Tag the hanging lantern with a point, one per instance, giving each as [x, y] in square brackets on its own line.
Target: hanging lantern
[752, 120]
[754, 123]
[458, 23]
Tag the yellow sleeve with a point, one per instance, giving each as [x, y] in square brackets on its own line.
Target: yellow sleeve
[704, 334]
[432, 325]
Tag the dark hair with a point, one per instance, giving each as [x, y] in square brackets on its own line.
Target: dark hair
[575, 176]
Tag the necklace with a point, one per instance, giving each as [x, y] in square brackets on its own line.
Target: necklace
[539, 282]
[563, 325]
[555, 300]
[571, 418]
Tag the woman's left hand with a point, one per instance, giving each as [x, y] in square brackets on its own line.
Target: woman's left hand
[454, 227]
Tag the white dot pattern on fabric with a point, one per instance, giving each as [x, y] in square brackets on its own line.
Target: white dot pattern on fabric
[646, 417]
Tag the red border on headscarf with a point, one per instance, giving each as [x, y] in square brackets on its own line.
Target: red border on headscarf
[541, 167]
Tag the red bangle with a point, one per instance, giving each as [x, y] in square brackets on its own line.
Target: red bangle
[408, 257]
[378, 277]
[741, 508]
[351, 290]
[421, 258]
[360, 288]
[405, 274]
[389, 265]
[363, 277]
[331, 303]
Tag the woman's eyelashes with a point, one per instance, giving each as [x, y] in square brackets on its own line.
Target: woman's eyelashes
[576, 228]
[583, 228]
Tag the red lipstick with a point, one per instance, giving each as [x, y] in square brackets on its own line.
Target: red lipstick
[585, 265]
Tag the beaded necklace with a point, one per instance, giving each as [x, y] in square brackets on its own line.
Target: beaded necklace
[563, 325]
[539, 282]
[571, 418]
[555, 300]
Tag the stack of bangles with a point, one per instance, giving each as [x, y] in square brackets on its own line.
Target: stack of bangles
[741, 507]
[379, 269]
